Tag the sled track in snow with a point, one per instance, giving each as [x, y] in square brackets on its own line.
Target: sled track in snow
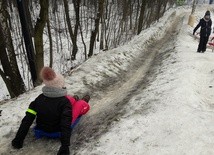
[109, 106]
[114, 97]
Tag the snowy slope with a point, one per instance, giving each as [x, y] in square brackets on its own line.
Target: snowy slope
[173, 115]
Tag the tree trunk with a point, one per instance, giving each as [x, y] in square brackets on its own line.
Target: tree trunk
[72, 35]
[96, 27]
[38, 39]
[10, 73]
[28, 16]
[193, 7]
[102, 34]
[81, 33]
[77, 12]
[141, 18]
[137, 13]
[159, 7]
[130, 15]
[6, 74]
[51, 43]
[27, 39]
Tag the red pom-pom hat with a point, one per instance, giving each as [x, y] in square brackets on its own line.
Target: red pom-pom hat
[51, 79]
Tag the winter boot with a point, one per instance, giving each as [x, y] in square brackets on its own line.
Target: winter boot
[86, 98]
[76, 97]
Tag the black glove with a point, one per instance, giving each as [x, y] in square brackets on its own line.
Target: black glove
[17, 144]
[63, 150]
[193, 33]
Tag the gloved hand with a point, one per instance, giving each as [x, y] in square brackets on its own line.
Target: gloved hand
[193, 33]
[17, 144]
[63, 150]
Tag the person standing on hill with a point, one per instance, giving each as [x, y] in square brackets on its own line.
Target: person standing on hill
[205, 24]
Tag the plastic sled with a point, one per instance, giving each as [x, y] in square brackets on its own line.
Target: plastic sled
[40, 133]
[211, 46]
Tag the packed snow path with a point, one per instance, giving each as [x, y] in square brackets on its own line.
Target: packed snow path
[112, 104]
[126, 96]
[155, 99]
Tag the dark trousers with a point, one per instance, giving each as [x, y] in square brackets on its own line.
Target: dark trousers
[202, 44]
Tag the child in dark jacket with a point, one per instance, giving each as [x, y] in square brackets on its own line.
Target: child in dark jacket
[52, 110]
[205, 24]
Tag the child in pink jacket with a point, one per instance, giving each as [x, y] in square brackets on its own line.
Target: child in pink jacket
[79, 107]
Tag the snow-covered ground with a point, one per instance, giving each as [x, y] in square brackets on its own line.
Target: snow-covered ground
[175, 114]
[171, 114]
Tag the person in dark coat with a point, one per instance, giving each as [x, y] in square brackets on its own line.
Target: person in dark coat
[52, 110]
[205, 24]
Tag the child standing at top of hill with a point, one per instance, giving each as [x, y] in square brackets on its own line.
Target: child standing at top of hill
[205, 24]
[53, 110]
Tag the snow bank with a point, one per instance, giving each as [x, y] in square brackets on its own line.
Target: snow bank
[108, 67]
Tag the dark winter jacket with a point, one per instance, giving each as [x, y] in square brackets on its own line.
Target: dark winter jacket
[205, 27]
[52, 112]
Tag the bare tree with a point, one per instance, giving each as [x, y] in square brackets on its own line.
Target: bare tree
[10, 72]
[38, 38]
[96, 27]
[141, 18]
[73, 34]
[76, 4]
[51, 43]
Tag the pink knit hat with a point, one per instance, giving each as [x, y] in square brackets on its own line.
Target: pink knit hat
[51, 79]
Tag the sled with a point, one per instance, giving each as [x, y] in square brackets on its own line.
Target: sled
[211, 44]
[40, 133]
